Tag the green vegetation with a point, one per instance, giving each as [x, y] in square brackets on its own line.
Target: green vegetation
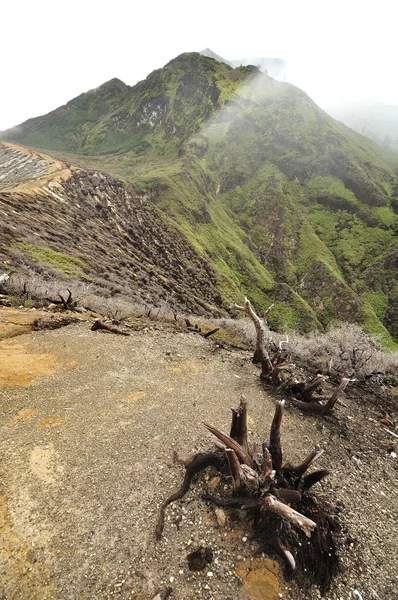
[287, 204]
[68, 265]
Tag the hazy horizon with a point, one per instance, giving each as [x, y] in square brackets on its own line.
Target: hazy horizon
[334, 51]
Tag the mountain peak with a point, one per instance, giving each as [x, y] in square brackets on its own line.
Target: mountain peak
[288, 205]
[114, 82]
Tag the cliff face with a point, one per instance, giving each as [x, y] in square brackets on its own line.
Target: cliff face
[279, 200]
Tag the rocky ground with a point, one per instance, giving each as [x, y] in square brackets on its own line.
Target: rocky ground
[89, 422]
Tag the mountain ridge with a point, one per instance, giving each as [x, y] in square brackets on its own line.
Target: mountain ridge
[285, 203]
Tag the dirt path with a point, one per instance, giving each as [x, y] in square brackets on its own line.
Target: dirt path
[86, 460]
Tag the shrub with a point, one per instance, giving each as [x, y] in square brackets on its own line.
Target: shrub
[344, 350]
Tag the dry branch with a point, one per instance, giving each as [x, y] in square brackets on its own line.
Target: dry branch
[98, 324]
[323, 409]
[228, 441]
[307, 462]
[234, 467]
[67, 304]
[212, 332]
[239, 424]
[275, 438]
[286, 512]
[259, 324]
[272, 368]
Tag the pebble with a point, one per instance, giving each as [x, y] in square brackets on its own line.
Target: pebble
[220, 516]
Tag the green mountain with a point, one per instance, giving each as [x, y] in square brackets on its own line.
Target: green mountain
[286, 204]
[65, 128]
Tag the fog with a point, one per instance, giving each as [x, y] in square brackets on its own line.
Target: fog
[53, 52]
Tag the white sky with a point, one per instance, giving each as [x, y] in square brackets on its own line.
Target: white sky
[53, 51]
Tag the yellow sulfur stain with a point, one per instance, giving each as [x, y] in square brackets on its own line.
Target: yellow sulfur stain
[51, 421]
[134, 396]
[20, 368]
[261, 578]
[187, 368]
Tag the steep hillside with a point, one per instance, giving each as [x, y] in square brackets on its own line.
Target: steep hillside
[66, 127]
[284, 202]
[72, 223]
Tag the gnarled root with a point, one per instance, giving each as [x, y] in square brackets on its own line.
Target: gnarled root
[266, 490]
[198, 464]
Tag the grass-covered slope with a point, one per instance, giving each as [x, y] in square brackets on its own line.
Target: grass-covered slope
[286, 203]
[67, 128]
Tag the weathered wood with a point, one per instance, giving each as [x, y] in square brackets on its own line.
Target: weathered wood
[313, 478]
[239, 423]
[98, 324]
[234, 467]
[288, 496]
[212, 332]
[333, 398]
[316, 382]
[268, 474]
[323, 409]
[307, 462]
[259, 324]
[228, 441]
[275, 437]
[286, 512]
[267, 490]
[250, 478]
[242, 475]
[183, 458]
[199, 463]
[67, 304]
[277, 370]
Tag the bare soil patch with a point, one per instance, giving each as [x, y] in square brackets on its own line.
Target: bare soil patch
[87, 460]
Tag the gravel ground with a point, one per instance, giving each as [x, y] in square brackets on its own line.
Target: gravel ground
[86, 460]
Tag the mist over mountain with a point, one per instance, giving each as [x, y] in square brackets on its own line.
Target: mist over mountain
[274, 67]
[275, 198]
[376, 120]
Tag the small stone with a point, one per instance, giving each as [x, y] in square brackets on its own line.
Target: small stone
[171, 579]
[221, 517]
[209, 574]
[244, 539]
[213, 483]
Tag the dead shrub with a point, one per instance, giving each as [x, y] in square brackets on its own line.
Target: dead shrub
[343, 350]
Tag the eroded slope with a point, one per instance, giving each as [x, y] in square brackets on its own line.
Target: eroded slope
[74, 222]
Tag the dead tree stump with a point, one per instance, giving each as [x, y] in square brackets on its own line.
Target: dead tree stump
[286, 517]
